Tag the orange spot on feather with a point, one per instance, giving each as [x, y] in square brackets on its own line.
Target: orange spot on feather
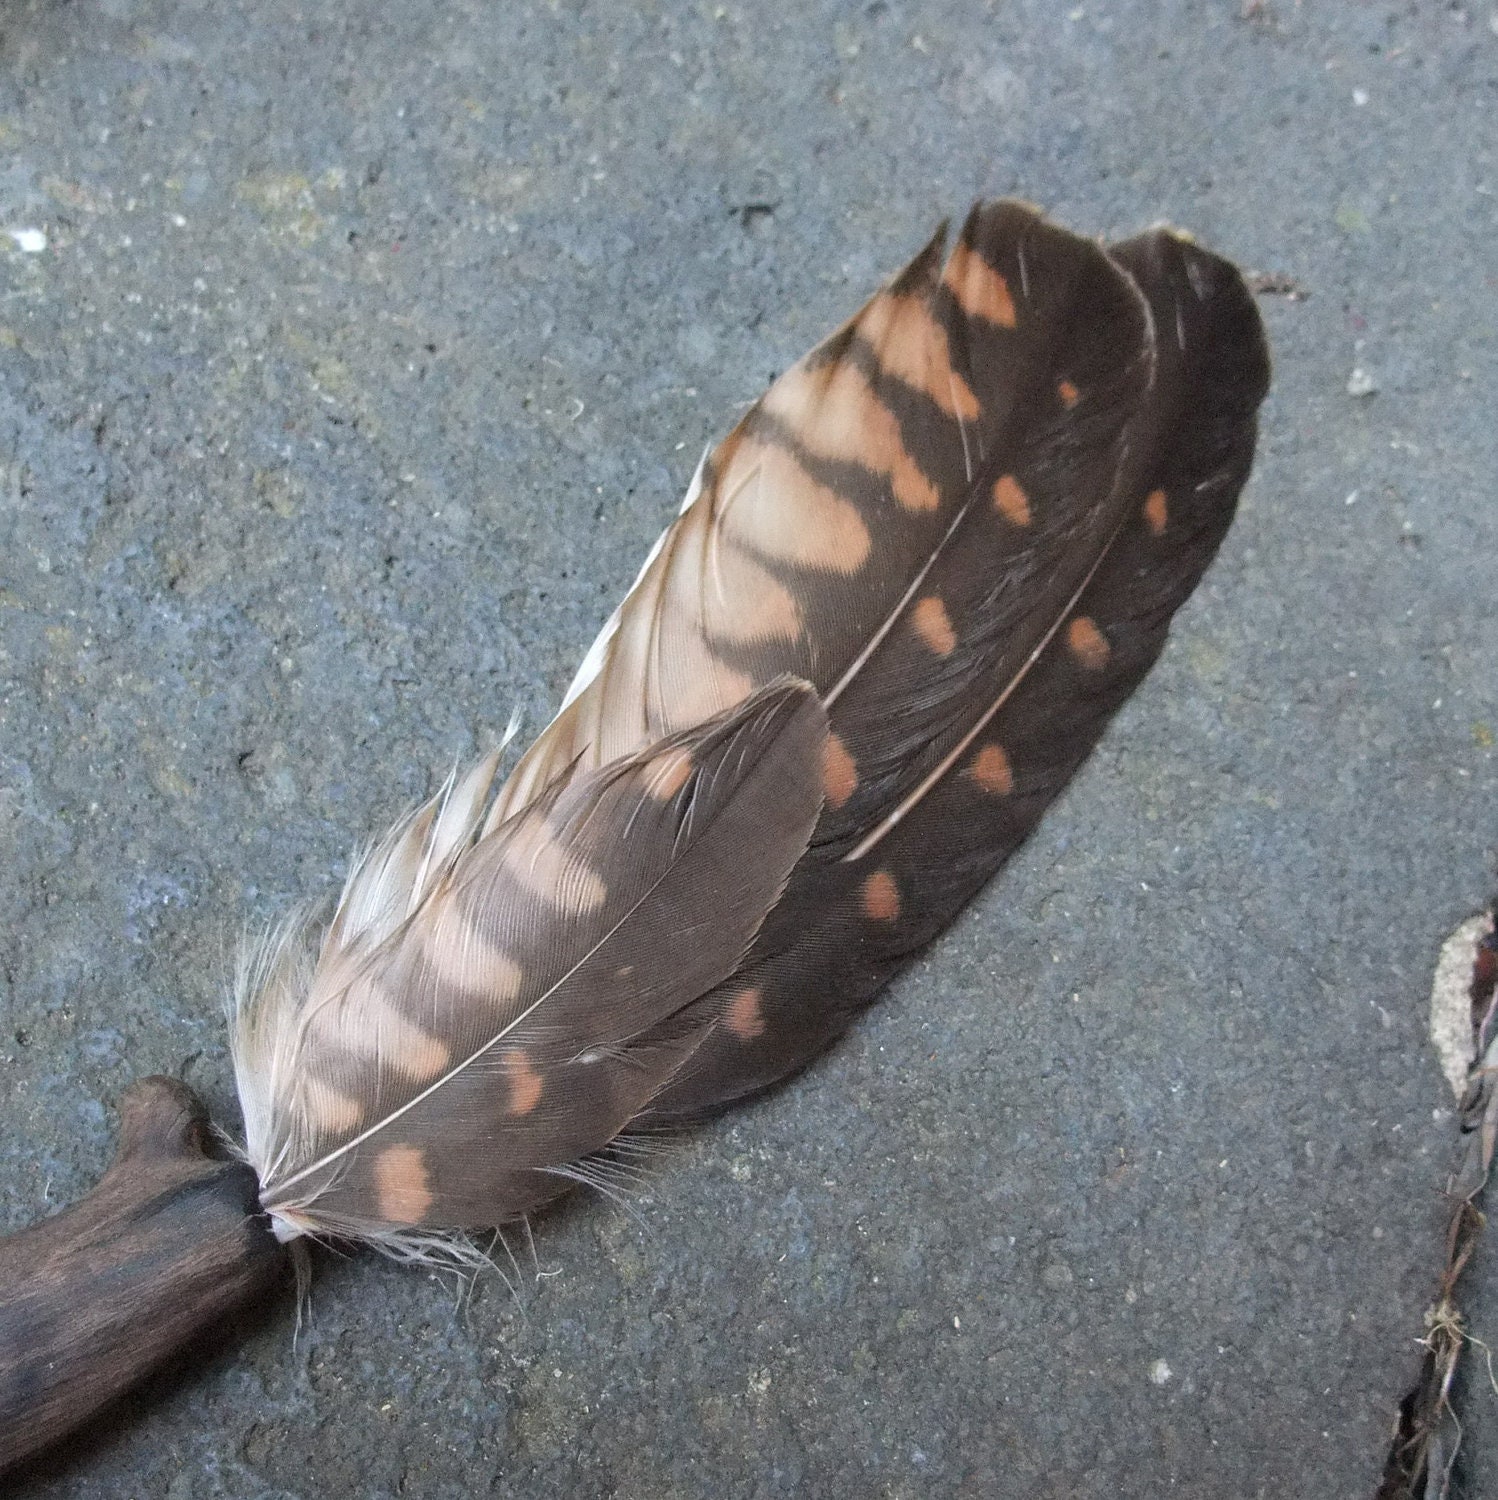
[367, 1022]
[992, 772]
[839, 772]
[934, 625]
[773, 508]
[462, 957]
[403, 1193]
[1011, 501]
[1088, 644]
[1069, 394]
[912, 346]
[1156, 512]
[881, 897]
[525, 1082]
[750, 605]
[744, 1017]
[981, 292]
[834, 413]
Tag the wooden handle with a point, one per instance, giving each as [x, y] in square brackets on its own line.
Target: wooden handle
[96, 1298]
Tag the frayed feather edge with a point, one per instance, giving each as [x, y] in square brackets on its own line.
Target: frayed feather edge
[276, 968]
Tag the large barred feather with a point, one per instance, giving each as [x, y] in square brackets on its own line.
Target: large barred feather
[965, 520]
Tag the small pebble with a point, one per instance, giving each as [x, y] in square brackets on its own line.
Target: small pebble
[1361, 383]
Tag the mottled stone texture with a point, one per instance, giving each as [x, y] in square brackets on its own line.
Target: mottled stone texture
[371, 346]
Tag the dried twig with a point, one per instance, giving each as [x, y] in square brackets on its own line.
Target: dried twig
[1422, 1459]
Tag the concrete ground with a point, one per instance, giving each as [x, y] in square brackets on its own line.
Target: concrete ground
[368, 348]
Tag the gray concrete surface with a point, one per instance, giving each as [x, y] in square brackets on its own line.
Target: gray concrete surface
[370, 346]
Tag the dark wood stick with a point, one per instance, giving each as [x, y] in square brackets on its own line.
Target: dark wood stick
[98, 1297]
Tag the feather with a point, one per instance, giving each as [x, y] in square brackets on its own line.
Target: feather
[896, 610]
[452, 1068]
[967, 518]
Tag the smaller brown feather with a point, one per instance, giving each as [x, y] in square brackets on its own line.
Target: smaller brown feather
[452, 1069]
